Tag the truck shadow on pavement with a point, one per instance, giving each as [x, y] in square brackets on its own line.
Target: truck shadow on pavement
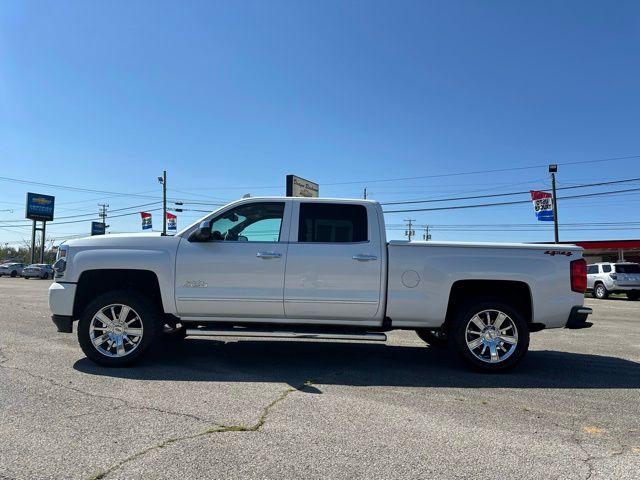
[363, 365]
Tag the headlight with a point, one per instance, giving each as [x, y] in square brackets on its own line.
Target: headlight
[62, 251]
[60, 266]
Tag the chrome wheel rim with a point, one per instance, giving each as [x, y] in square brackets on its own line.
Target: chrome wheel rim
[116, 330]
[600, 291]
[491, 336]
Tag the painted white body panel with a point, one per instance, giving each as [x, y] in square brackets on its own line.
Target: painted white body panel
[440, 264]
[321, 283]
[324, 281]
[138, 252]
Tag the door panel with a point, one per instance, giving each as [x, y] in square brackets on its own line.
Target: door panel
[239, 272]
[334, 269]
[230, 279]
[324, 281]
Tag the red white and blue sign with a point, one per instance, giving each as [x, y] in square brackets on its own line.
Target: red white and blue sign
[146, 220]
[542, 205]
[172, 222]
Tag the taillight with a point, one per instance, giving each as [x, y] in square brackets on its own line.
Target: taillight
[614, 276]
[579, 275]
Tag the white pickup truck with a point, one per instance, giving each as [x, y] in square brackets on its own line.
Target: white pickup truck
[312, 268]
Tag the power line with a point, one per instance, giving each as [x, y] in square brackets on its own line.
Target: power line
[89, 214]
[493, 195]
[516, 202]
[86, 219]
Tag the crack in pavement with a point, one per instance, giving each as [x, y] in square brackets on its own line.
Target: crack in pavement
[124, 403]
[262, 418]
[590, 459]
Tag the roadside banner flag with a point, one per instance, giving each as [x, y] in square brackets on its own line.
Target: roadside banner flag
[146, 220]
[172, 222]
[542, 205]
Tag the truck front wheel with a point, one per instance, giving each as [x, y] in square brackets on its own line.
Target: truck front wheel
[490, 336]
[118, 327]
[435, 338]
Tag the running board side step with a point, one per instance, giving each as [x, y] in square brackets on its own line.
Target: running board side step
[301, 333]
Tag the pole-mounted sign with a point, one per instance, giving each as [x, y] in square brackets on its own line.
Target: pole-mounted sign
[542, 205]
[97, 228]
[299, 187]
[39, 208]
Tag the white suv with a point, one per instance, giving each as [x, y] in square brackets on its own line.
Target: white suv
[621, 277]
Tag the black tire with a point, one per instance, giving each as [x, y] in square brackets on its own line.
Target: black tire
[458, 335]
[435, 338]
[633, 295]
[14, 274]
[600, 291]
[150, 317]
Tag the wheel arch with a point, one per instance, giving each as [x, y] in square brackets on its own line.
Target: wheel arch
[92, 283]
[514, 293]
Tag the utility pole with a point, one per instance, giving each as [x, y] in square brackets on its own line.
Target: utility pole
[163, 181]
[365, 193]
[102, 213]
[553, 169]
[426, 236]
[409, 232]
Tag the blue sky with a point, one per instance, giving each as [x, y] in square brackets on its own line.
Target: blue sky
[229, 97]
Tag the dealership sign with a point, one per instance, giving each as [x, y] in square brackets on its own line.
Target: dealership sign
[39, 207]
[299, 187]
[97, 228]
[542, 205]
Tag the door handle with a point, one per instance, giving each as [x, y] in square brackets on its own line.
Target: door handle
[364, 258]
[268, 255]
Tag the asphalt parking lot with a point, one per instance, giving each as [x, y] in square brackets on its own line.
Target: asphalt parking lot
[204, 408]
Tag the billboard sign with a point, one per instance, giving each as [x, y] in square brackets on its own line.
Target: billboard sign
[542, 205]
[39, 207]
[299, 187]
[97, 228]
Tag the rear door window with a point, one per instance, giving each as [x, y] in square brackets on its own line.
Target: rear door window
[332, 223]
[606, 268]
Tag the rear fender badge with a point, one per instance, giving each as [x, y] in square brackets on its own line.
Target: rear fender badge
[195, 284]
[566, 253]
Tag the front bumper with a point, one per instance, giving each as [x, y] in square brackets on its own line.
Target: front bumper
[578, 318]
[61, 297]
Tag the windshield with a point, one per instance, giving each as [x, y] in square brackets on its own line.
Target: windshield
[628, 268]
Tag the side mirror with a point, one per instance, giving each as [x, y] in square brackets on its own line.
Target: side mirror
[202, 233]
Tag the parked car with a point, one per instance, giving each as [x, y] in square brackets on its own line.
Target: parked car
[38, 270]
[226, 276]
[11, 269]
[622, 277]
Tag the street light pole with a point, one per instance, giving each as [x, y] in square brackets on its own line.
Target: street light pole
[163, 181]
[553, 168]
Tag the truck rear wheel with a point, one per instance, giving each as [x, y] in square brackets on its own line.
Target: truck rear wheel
[635, 295]
[435, 338]
[118, 327]
[490, 335]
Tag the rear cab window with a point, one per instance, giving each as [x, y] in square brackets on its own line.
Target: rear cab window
[627, 268]
[332, 223]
